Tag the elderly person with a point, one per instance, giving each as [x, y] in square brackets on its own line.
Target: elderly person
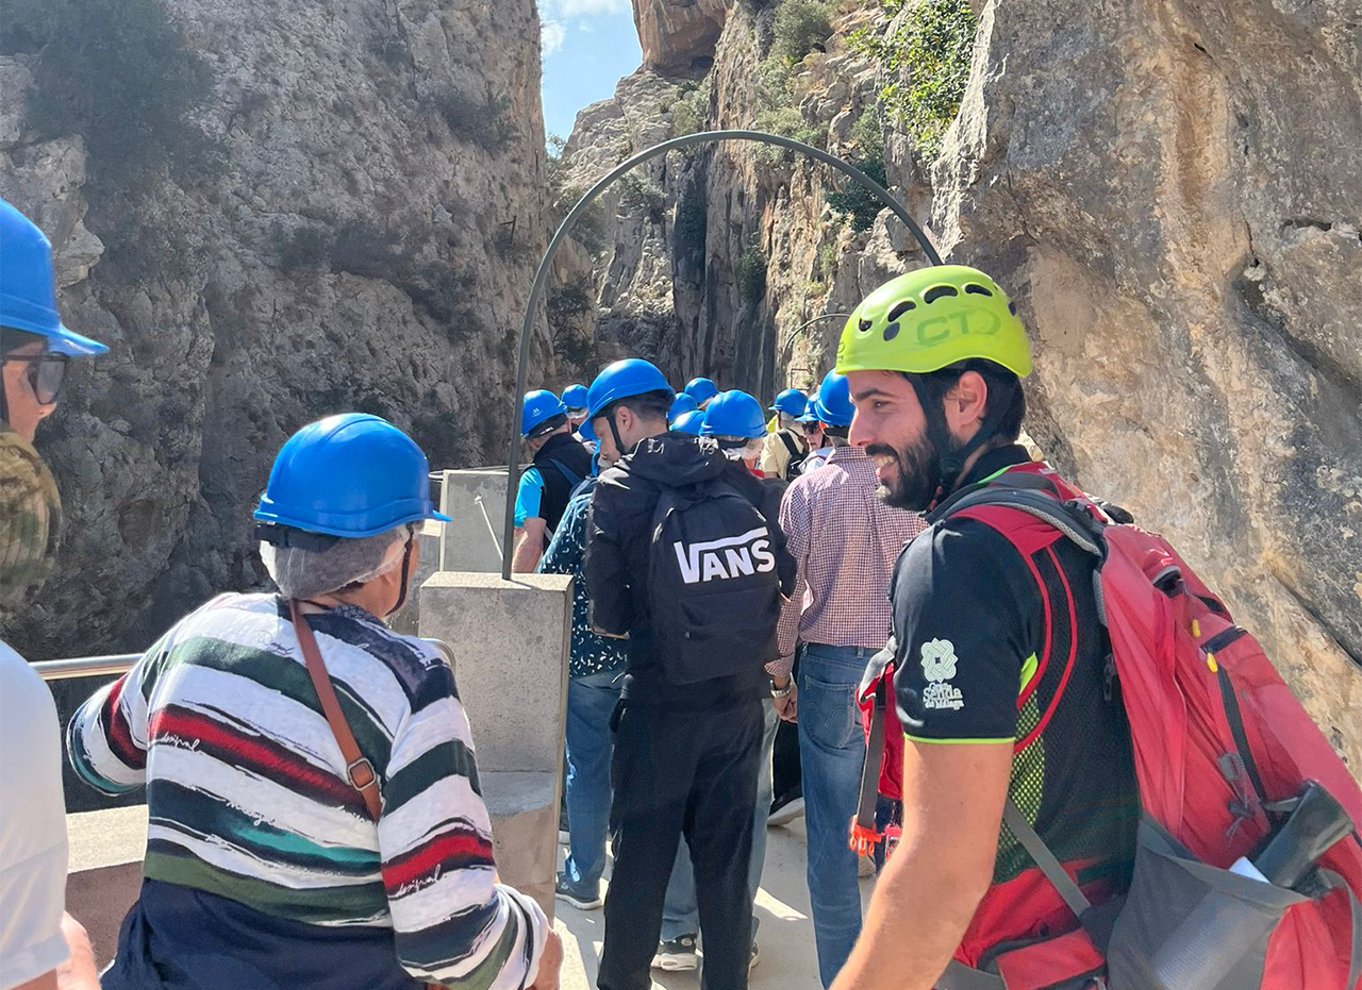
[311, 784]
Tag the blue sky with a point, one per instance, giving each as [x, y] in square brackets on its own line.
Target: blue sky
[588, 46]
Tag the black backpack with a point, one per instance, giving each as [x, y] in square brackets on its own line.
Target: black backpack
[797, 456]
[712, 583]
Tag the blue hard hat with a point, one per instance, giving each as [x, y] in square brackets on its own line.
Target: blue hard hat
[682, 404]
[574, 397]
[734, 414]
[624, 380]
[690, 422]
[701, 390]
[833, 402]
[791, 402]
[28, 292]
[587, 432]
[352, 475]
[538, 407]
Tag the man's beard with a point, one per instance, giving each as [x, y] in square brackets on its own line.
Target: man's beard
[917, 478]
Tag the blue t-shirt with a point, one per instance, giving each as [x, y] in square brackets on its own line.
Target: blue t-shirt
[529, 497]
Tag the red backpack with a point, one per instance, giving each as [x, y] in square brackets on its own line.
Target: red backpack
[1232, 773]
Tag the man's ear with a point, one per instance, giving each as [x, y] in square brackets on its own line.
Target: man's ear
[966, 403]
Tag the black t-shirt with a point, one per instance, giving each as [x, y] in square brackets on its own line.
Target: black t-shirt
[970, 620]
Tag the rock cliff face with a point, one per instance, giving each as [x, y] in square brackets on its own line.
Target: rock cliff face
[364, 241]
[1158, 184]
[675, 34]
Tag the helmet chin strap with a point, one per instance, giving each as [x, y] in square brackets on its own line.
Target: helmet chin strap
[406, 562]
[615, 432]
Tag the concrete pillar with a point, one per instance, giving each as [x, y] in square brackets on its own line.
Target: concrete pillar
[467, 544]
[510, 641]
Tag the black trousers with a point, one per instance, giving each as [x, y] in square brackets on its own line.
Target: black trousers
[691, 773]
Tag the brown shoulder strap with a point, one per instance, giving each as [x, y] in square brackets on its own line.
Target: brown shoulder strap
[357, 767]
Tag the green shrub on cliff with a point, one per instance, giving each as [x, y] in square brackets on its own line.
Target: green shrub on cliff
[120, 74]
[855, 202]
[778, 112]
[800, 27]
[928, 55]
[690, 110]
[750, 275]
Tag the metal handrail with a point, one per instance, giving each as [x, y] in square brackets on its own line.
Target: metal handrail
[117, 664]
[112, 665]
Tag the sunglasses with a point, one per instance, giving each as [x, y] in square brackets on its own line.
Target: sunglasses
[45, 374]
[812, 427]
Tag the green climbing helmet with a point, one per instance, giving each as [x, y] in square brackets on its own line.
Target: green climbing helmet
[932, 318]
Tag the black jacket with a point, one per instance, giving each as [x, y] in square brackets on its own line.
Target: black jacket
[619, 541]
[567, 450]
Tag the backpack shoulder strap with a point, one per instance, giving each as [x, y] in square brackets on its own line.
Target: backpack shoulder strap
[573, 478]
[790, 445]
[357, 766]
[1044, 859]
[1076, 525]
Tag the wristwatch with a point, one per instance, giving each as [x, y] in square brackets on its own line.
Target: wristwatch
[781, 692]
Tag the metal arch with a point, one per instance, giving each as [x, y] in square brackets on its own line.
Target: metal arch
[546, 263]
[790, 337]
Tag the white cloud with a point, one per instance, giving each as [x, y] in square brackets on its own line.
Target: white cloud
[552, 34]
[555, 16]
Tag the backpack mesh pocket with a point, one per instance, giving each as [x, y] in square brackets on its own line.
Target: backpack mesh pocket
[1190, 926]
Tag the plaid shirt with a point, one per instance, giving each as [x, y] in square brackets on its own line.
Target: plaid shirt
[845, 541]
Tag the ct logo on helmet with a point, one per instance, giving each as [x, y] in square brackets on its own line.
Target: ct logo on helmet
[941, 328]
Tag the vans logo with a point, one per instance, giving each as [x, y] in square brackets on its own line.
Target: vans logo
[725, 559]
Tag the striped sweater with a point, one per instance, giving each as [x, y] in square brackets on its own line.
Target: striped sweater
[247, 796]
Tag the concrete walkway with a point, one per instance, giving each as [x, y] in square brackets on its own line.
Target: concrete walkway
[785, 939]
[106, 849]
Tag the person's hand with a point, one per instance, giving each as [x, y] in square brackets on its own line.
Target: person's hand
[549, 964]
[787, 708]
[79, 971]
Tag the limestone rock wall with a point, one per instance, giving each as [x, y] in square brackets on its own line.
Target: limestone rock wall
[1186, 249]
[674, 34]
[1161, 184]
[368, 244]
[716, 256]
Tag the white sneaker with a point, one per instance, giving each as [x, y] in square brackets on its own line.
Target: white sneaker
[786, 813]
[676, 955]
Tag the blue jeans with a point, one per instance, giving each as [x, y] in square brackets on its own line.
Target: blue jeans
[831, 754]
[679, 914]
[590, 702]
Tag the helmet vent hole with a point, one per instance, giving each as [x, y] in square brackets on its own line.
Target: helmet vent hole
[1012, 308]
[939, 291]
[900, 308]
[891, 331]
[865, 326]
[977, 290]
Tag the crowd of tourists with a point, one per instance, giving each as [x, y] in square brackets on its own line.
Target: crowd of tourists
[876, 573]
